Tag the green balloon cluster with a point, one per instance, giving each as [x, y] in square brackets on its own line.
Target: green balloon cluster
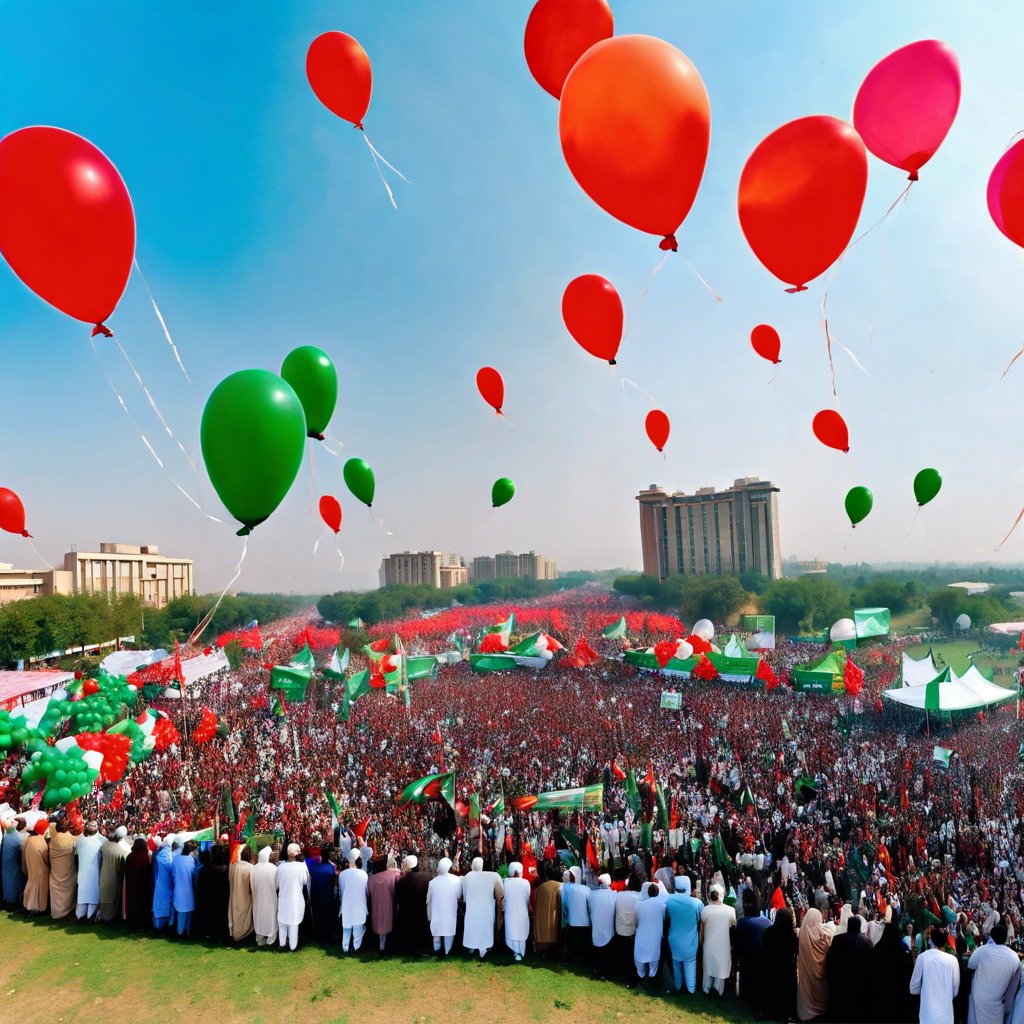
[859, 501]
[927, 484]
[359, 480]
[311, 373]
[14, 732]
[92, 713]
[65, 776]
[502, 492]
[253, 434]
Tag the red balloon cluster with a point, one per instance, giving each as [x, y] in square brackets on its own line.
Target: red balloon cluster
[114, 747]
[657, 426]
[12, 513]
[493, 643]
[330, 512]
[704, 671]
[491, 387]
[206, 729]
[665, 651]
[67, 227]
[339, 74]
[592, 311]
[699, 644]
[164, 734]
[830, 429]
[558, 33]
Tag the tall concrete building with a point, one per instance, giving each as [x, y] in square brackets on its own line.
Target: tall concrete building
[130, 569]
[507, 564]
[711, 532]
[432, 568]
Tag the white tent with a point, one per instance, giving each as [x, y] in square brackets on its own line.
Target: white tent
[983, 687]
[946, 692]
[194, 669]
[124, 663]
[917, 673]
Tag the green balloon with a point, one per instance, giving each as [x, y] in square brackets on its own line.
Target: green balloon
[502, 492]
[311, 373]
[359, 480]
[927, 484]
[253, 435]
[858, 504]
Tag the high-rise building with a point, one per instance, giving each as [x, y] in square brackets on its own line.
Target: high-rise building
[711, 532]
[506, 565]
[130, 569]
[483, 568]
[527, 565]
[432, 568]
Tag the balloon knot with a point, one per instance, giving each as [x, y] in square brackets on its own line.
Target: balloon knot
[777, 361]
[912, 176]
[669, 242]
[102, 329]
[359, 125]
[316, 437]
[244, 531]
[499, 412]
[611, 362]
[796, 288]
[846, 451]
[25, 533]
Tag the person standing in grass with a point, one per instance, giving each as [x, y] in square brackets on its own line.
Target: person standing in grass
[88, 849]
[62, 871]
[35, 856]
[292, 881]
[185, 868]
[264, 899]
[517, 910]
[240, 896]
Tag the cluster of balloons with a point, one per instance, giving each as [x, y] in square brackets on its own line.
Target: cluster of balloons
[254, 430]
[116, 750]
[859, 500]
[14, 731]
[207, 727]
[12, 513]
[64, 775]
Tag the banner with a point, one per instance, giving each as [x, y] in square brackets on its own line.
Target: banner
[759, 630]
[671, 701]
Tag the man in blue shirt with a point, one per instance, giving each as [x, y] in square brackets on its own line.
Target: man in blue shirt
[683, 920]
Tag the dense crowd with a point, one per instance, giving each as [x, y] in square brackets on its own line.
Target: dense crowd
[809, 843]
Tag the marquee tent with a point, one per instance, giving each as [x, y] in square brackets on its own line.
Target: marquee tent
[824, 677]
[947, 692]
[918, 672]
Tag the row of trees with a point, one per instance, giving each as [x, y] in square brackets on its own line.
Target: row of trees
[183, 614]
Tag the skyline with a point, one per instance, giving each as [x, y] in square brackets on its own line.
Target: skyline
[262, 225]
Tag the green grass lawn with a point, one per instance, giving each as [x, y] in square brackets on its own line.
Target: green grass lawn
[956, 656]
[64, 972]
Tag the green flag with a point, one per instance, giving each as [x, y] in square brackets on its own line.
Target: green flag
[430, 787]
[332, 802]
[356, 623]
[942, 755]
[616, 631]
[204, 835]
[356, 685]
[474, 809]
[581, 798]
[722, 858]
[498, 807]
[632, 793]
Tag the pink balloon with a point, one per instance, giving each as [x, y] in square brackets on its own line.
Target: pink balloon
[1006, 193]
[907, 104]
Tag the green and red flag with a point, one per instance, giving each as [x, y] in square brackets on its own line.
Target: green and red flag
[440, 786]
[616, 631]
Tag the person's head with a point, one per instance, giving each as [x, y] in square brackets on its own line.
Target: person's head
[293, 851]
[246, 854]
[683, 885]
[652, 890]
[853, 926]
[635, 884]
[478, 864]
[120, 833]
[412, 862]
[605, 881]
[749, 903]
[354, 860]
[444, 865]
[189, 848]
[938, 937]
[515, 870]
[40, 827]
[999, 934]
[92, 828]
[784, 918]
[62, 824]
[715, 894]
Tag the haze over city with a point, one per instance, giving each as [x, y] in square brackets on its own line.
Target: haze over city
[262, 225]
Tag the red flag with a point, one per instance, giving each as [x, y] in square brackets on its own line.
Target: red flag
[592, 857]
[649, 777]
[853, 678]
[585, 654]
[617, 773]
[361, 828]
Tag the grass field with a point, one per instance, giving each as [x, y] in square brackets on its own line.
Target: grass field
[64, 972]
[956, 655]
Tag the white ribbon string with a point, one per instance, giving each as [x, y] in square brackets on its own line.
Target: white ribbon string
[377, 161]
[208, 617]
[341, 566]
[145, 440]
[335, 441]
[160, 317]
[38, 555]
[696, 273]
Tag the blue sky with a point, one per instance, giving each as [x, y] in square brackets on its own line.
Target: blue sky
[262, 225]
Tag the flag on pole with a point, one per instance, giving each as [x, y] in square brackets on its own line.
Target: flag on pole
[632, 793]
[474, 810]
[617, 773]
[356, 623]
[942, 755]
[498, 807]
[592, 860]
[430, 787]
[332, 802]
[616, 631]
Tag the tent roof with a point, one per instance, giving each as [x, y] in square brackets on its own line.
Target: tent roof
[971, 693]
[833, 662]
[918, 672]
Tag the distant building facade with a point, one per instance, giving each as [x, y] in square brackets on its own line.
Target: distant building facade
[431, 568]
[508, 565]
[22, 584]
[798, 567]
[711, 532]
[130, 569]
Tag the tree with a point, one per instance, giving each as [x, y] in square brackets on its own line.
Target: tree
[807, 603]
[17, 634]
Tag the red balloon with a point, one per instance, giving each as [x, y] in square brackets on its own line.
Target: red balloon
[830, 429]
[800, 196]
[592, 311]
[339, 73]
[1006, 193]
[665, 651]
[66, 222]
[635, 124]
[491, 387]
[330, 512]
[907, 104]
[766, 342]
[658, 427]
[12, 513]
[558, 33]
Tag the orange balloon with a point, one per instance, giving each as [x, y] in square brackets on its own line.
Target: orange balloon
[800, 196]
[558, 33]
[339, 73]
[635, 124]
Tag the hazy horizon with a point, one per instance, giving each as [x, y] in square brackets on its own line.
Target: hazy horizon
[262, 225]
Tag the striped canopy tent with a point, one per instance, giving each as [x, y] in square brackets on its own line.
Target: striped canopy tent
[948, 693]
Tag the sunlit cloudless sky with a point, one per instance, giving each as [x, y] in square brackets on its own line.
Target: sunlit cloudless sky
[262, 225]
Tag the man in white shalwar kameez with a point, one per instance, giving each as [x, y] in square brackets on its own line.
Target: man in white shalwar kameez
[292, 879]
[443, 895]
[601, 903]
[353, 903]
[87, 850]
[517, 910]
[995, 982]
[478, 892]
[264, 899]
[716, 920]
[650, 929]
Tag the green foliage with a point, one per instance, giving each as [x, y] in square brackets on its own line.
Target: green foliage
[887, 592]
[948, 603]
[807, 603]
[692, 597]
[183, 614]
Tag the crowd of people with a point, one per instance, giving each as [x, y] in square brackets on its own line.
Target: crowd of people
[813, 857]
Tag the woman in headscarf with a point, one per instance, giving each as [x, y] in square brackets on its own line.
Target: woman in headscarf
[812, 984]
[213, 895]
[890, 967]
[779, 948]
[138, 900]
[264, 899]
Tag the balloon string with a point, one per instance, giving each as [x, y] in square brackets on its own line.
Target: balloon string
[333, 440]
[650, 281]
[208, 617]
[145, 440]
[160, 317]
[773, 378]
[1011, 362]
[379, 520]
[312, 483]
[316, 546]
[650, 398]
[152, 402]
[508, 422]
[1016, 523]
[377, 161]
[341, 558]
[711, 291]
[917, 516]
[38, 555]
